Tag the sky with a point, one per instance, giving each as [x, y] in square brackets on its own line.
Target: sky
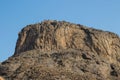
[16, 14]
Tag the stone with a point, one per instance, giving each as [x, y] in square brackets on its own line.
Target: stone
[1, 78]
[60, 50]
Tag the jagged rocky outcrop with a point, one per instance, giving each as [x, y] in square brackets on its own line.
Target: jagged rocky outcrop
[59, 50]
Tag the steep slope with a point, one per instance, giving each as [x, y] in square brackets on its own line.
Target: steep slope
[59, 50]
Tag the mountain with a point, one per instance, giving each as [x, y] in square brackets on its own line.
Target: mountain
[60, 50]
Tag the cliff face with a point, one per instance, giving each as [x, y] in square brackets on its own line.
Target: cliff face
[59, 50]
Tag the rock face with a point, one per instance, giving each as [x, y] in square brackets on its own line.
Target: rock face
[59, 50]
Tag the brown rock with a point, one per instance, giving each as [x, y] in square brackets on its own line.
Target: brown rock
[1, 78]
[59, 50]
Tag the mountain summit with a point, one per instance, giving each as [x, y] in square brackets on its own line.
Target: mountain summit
[60, 50]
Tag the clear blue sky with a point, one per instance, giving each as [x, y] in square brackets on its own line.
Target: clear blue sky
[16, 14]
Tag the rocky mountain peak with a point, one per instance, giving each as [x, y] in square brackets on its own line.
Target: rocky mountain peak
[46, 36]
[60, 50]
[56, 35]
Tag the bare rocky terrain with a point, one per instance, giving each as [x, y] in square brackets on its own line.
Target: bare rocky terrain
[60, 50]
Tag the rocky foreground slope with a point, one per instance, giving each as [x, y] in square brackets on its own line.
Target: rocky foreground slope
[59, 50]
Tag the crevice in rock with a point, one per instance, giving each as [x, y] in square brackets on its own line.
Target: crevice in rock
[86, 56]
[113, 71]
